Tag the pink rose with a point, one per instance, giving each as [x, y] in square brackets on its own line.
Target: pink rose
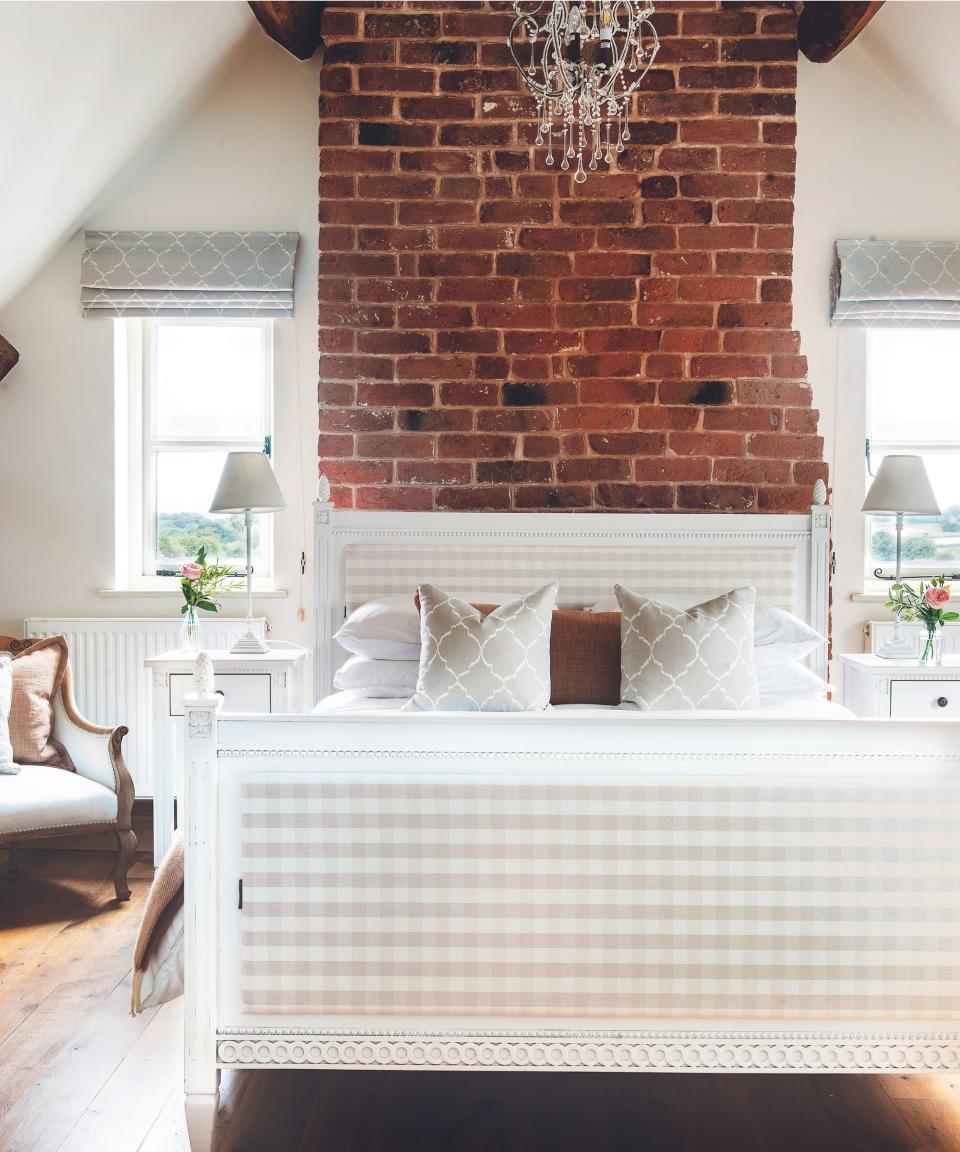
[936, 597]
[191, 571]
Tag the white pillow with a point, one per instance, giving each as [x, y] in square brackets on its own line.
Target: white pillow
[378, 679]
[7, 766]
[779, 637]
[780, 683]
[384, 629]
[389, 628]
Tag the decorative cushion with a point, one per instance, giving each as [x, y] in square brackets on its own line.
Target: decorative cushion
[701, 657]
[37, 676]
[7, 766]
[779, 637]
[585, 658]
[42, 797]
[584, 655]
[475, 663]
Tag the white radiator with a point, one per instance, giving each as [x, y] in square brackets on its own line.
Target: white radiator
[111, 684]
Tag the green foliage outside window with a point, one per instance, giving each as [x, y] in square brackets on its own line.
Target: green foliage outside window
[183, 534]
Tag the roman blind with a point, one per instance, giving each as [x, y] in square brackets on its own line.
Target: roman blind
[897, 284]
[188, 273]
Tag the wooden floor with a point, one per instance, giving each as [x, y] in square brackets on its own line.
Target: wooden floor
[78, 1074]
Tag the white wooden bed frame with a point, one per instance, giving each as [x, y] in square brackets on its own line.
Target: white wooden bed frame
[857, 823]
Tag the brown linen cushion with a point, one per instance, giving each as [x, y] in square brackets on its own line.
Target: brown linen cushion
[37, 675]
[584, 655]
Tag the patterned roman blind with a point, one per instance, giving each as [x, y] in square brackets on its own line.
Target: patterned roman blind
[897, 284]
[188, 273]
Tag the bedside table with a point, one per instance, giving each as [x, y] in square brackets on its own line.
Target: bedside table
[249, 682]
[901, 689]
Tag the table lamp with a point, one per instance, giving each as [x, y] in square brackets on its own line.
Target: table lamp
[901, 486]
[248, 485]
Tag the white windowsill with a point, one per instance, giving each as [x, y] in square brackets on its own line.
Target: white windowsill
[164, 593]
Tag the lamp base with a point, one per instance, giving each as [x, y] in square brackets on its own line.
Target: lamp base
[249, 644]
[897, 648]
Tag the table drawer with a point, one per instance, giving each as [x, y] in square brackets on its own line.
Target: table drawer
[925, 699]
[242, 691]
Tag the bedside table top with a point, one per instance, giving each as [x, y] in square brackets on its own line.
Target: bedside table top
[871, 663]
[221, 657]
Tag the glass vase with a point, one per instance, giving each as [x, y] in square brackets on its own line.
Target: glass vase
[191, 631]
[930, 646]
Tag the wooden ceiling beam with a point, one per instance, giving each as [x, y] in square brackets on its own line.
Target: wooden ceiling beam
[294, 26]
[8, 357]
[828, 26]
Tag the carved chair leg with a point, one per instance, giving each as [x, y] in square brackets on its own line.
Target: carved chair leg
[126, 850]
[15, 861]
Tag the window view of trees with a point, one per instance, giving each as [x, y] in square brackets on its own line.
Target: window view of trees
[935, 538]
[180, 534]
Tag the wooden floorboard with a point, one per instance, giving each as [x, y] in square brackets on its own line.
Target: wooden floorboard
[78, 1074]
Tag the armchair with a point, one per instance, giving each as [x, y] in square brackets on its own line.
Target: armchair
[42, 800]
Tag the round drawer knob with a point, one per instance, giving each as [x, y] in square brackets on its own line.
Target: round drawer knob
[942, 701]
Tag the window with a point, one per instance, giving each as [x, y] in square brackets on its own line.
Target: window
[189, 392]
[913, 406]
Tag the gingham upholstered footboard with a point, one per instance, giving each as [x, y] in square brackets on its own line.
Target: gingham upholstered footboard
[666, 898]
[590, 892]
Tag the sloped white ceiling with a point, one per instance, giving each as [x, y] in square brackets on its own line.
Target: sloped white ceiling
[85, 87]
[915, 43]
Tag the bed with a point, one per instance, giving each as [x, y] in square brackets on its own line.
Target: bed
[578, 889]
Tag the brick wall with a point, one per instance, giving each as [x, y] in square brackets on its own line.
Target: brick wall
[494, 336]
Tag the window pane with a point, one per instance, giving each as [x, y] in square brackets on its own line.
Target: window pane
[930, 543]
[186, 482]
[209, 381]
[914, 385]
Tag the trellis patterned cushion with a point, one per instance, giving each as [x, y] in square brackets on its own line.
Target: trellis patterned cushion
[475, 663]
[699, 657]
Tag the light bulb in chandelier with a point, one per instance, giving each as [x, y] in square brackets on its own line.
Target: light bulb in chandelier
[583, 60]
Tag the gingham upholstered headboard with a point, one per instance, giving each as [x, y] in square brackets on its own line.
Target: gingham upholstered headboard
[362, 555]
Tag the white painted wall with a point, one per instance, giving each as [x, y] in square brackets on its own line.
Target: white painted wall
[245, 159]
[870, 164]
[83, 87]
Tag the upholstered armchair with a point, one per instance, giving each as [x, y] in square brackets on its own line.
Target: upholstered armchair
[42, 800]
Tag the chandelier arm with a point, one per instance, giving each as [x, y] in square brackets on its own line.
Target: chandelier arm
[533, 84]
[580, 65]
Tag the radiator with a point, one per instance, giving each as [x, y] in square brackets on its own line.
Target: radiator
[111, 684]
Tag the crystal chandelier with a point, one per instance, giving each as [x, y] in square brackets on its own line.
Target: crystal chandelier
[583, 59]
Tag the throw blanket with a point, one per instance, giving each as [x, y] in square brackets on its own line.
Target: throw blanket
[158, 955]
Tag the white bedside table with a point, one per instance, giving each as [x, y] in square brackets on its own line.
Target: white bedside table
[901, 689]
[266, 682]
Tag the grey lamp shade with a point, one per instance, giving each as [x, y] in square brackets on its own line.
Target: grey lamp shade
[247, 481]
[902, 485]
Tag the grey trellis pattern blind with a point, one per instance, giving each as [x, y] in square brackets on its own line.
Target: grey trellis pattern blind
[897, 284]
[188, 273]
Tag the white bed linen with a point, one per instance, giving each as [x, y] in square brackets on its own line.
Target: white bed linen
[808, 709]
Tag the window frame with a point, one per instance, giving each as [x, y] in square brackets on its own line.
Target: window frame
[874, 451]
[135, 349]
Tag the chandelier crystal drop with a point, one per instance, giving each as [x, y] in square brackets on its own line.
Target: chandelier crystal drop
[583, 59]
